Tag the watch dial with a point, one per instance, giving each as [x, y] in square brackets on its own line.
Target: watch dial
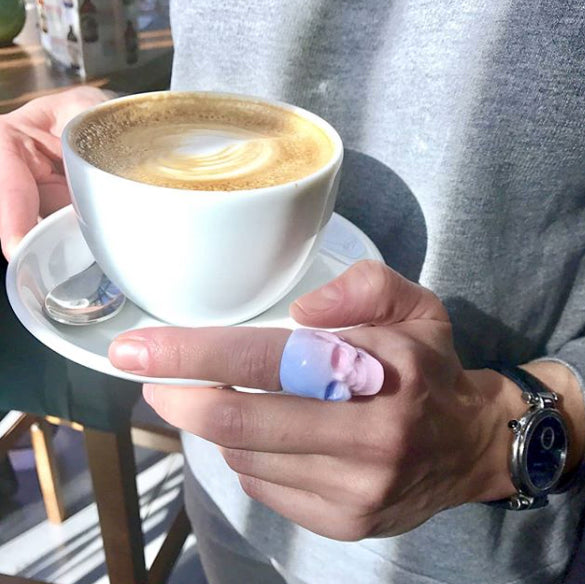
[546, 448]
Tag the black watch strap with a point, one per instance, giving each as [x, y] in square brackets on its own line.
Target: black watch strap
[527, 382]
[534, 392]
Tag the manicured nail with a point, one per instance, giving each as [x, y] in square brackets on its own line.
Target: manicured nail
[11, 245]
[148, 393]
[129, 355]
[320, 300]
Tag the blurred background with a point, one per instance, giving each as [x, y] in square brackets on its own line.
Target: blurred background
[45, 45]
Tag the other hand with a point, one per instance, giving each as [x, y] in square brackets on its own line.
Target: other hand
[31, 169]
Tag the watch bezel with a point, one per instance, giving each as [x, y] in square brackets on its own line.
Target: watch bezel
[523, 435]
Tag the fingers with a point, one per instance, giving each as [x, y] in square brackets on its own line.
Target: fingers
[332, 478]
[24, 198]
[29, 153]
[314, 364]
[52, 112]
[19, 202]
[77, 100]
[288, 470]
[369, 292]
[244, 356]
[307, 509]
[53, 195]
[260, 422]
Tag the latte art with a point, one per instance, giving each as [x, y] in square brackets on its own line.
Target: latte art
[190, 142]
[196, 154]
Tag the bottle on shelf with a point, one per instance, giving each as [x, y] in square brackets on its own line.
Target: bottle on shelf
[42, 11]
[73, 49]
[131, 42]
[88, 22]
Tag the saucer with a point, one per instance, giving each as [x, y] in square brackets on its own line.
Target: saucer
[55, 250]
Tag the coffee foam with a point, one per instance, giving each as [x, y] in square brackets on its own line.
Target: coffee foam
[200, 142]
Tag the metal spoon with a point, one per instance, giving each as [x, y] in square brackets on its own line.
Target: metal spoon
[84, 298]
[89, 296]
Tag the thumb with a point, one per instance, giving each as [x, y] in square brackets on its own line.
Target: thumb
[369, 292]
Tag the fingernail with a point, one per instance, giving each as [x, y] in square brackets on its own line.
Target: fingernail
[130, 355]
[11, 245]
[148, 393]
[320, 300]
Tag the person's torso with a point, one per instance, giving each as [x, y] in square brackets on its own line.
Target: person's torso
[465, 163]
[464, 133]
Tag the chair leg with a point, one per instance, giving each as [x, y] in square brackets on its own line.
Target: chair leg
[113, 471]
[171, 549]
[5, 579]
[47, 470]
[12, 426]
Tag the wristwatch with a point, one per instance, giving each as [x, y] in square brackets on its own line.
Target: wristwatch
[540, 443]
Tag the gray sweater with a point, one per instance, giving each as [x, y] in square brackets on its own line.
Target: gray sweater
[463, 123]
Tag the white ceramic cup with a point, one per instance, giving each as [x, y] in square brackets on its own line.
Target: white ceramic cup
[198, 258]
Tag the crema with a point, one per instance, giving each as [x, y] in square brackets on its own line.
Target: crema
[196, 142]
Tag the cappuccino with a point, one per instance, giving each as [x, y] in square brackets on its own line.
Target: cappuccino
[255, 183]
[201, 142]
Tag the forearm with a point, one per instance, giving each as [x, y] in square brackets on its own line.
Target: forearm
[503, 402]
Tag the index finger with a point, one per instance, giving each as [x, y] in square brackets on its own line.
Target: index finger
[244, 356]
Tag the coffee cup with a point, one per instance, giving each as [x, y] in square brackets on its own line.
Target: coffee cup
[203, 208]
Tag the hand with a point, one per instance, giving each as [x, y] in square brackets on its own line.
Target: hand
[31, 169]
[434, 437]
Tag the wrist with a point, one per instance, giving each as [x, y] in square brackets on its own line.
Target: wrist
[490, 478]
[491, 474]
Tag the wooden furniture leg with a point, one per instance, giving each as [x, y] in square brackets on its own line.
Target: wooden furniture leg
[112, 466]
[171, 549]
[113, 470]
[5, 579]
[47, 470]
[12, 427]
[156, 438]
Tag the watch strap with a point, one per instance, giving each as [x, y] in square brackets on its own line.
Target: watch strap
[527, 382]
[534, 392]
[519, 502]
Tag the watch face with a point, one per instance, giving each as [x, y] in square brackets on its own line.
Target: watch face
[546, 449]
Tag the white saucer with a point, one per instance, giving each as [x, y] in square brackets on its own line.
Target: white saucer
[55, 250]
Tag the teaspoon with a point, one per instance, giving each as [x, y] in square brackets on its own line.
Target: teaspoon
[84, 298]
[89, 296]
